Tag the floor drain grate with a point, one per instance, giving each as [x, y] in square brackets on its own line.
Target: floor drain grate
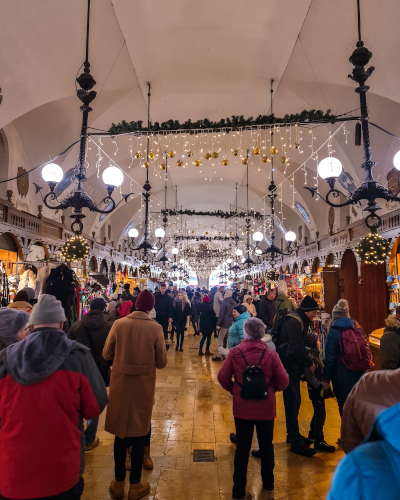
[203, 456]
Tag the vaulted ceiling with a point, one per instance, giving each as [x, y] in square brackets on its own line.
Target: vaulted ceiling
[209, 59]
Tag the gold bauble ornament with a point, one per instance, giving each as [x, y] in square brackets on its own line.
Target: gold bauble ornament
[206, 232]
[284, 159]
[215, 154]
[274, 150]
[266, 159]
[225, 162]
[146, 164]
[152, 155]
[179, 163]
[189, 153]
[208, 156]
[235, 152]
[138, 154]
[245, 161]
[296, 145]
[171, 154]
[163, 166]
[257, 151]
[197, 163]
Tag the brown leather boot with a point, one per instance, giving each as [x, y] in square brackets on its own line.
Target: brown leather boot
[138, 490]
[117, 489]
[128, 458]
[147, 461]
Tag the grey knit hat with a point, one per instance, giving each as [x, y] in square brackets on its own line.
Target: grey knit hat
[12, 321]
[47, 310]
[341, 310]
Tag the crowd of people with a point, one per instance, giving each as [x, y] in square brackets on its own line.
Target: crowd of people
[52, 379]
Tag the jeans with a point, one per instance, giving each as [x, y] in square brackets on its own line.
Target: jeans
[120, 446]
[206, 336]
[74, 493]
[163, 321]
[194, 324]
[180, 332]
[223, 333]
[292, 401]
[244, 435]
[318, 420]
[91, 430]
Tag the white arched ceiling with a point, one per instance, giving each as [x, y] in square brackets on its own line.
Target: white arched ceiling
[205, 59]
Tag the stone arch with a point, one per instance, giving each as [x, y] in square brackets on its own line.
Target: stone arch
[15, 244]
[316, 265]
[119, 267]
[303, 266]
[93, 264]
[330, 260]
[287, 269]
[39, 243]
[104, 267]
[295, 268]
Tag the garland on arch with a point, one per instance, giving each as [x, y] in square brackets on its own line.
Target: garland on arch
[234, 123]
[216, 213]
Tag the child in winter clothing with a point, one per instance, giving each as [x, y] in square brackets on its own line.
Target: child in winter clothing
[125, 305]
[316, 394]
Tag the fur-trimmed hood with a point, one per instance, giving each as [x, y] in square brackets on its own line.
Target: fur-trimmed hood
[392, 323]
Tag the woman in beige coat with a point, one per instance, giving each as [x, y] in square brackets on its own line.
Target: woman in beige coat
[248, 304]
[136, 345]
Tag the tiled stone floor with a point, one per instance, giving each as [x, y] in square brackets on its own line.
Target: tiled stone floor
[193, 412]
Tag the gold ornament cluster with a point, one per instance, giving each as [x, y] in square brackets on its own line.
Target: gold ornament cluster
[75, 249]
[163, 275]
[373, 249]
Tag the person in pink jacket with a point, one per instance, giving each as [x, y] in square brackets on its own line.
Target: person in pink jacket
[249, 413]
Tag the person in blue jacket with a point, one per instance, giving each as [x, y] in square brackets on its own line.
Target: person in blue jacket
[235, 332]
[343, 380]
[372, 470]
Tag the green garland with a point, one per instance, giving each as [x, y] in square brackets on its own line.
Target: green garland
[234, 123]
[206, 238]
[216, 213]
[373, 249]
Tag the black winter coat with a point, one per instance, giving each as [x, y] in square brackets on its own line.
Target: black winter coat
[267, 311]
[6, 341]
[293, 335]
[195, 304]
[179, 313]
[99, 328]
[163, 305]
[207, 318]
[390, 344]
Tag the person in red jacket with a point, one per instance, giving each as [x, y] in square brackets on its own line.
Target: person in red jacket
[48, 385]
[125, 306]
[253, 413]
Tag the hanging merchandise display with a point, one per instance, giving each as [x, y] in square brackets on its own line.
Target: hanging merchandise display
[144, 269]
[373, 249]
[63, 284]
[273, 275]
[255, 286]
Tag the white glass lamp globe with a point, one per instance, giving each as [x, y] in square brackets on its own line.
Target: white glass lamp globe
[133, 233]
[329, 167]
[52, 172]
[175, 251]
[290, 236]
[113, 176]
[229, 261]
[181, 261]
[396, 160]
[257, 236]
[239, 251]
[160, 233]
[242, 261]
[258, 251]
[154, 250]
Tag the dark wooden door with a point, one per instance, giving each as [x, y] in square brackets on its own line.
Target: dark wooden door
[373, 300]
[350, 277]
[330, 278]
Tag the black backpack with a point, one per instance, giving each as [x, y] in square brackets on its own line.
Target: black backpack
[279, 325]
[254, 386]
